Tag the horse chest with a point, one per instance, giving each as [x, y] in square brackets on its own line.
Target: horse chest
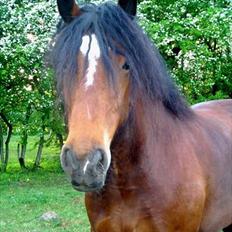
[123, 221]
[136, 211]
[120, 217]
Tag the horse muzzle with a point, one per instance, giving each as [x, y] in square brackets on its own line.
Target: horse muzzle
[87, 173]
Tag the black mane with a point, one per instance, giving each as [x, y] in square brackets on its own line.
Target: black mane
[113, 27]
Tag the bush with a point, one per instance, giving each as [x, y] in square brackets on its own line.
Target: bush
[195, 39]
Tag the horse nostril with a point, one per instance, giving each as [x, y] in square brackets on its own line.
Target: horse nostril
[93, 163]
[68, 160]
[98, 159]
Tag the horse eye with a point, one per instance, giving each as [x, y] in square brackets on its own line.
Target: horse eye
[126, 66]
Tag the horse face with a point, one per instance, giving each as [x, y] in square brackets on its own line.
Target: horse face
[96, 107]
[95, 111]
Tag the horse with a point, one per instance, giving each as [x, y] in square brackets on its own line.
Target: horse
[146, 160]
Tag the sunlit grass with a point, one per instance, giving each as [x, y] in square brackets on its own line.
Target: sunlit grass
[26, 195]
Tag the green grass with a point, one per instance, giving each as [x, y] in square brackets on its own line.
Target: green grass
[50, 157]
[26, 195]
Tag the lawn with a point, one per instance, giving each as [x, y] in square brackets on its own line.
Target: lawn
[26, 195]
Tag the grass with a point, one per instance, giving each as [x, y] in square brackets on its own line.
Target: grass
[50, 158]
[26, 195]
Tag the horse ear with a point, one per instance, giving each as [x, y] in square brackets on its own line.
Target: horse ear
[129, 6]
[68, 9]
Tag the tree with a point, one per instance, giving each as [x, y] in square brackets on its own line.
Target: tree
[5, 156]
[195, 39]
[1, 146]
[26, 84]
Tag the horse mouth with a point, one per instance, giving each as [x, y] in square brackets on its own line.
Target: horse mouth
[96, 186]
[83, 187]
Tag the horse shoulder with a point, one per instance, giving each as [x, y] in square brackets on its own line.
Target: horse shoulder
[215, 146]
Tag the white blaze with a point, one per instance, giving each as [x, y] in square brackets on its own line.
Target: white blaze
[90, 47]
[85, 45]
[85, 167]
[107, 142]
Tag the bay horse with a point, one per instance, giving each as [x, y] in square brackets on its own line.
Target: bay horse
[147, 161]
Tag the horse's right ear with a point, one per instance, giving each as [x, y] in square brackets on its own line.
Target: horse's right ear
[129, 6]
[68, 9]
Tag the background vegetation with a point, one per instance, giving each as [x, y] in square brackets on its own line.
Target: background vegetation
[195, 39]
[27, 97]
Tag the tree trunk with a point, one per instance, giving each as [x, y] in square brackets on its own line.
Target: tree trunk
[18, 150]
[22, 153]
[40, 146]
[7, 142]
[1, 146]
[39, 151]
[60, 139]
[22, 150]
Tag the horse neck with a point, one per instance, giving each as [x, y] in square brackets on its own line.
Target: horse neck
[140, 140]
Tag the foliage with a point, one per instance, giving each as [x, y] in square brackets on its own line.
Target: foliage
[26, 85]
[195, 39]
[26, 28]
[193, 36]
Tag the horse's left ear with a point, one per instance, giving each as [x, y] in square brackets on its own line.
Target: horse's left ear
[68, 9]
[129, 6]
